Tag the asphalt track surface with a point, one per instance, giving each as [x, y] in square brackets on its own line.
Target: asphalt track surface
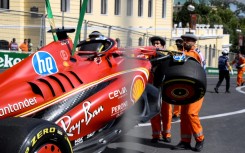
[222, 117]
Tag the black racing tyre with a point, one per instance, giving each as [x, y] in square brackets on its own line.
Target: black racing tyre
[181, 83]
[28, 135]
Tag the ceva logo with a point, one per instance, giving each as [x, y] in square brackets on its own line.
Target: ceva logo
[44, 63]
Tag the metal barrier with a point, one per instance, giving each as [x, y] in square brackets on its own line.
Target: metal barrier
[20, 25]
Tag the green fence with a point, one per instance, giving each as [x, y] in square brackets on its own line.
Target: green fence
[215, 71]
[9, 58]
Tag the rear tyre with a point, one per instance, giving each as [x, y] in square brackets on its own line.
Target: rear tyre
[28, 135]
[181, 83]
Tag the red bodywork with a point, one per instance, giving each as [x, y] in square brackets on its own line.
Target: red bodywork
[78, 93]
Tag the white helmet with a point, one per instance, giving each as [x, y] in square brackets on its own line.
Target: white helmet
[225, 51]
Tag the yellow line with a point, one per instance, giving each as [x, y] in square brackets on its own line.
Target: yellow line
[73, 92]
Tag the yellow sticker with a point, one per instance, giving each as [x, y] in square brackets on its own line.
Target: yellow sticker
[137, 88]
[66, 64]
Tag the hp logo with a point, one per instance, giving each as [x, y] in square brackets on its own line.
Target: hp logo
[44, 63]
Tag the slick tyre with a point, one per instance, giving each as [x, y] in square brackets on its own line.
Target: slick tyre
[28, 135]
[181, 83]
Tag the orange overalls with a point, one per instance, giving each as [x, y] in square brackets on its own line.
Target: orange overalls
[165, 116]
[176, 110]
[190, 123]
[240, 71]
[161, 123]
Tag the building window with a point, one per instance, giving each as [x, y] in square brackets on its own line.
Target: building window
[118, 42]
[129, 7]
[206, 51]
[140, 7]
[129, 41]
[150, 8]
[117, 7]
[89, 6]
[141, 41]
[210, 55]
[103, 6]
[4, 4]
[163, 8]
[214, 48]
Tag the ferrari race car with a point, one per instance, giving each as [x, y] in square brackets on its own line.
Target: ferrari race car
[58, 101]
[52, 101]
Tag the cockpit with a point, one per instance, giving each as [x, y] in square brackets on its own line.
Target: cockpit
[100, 44]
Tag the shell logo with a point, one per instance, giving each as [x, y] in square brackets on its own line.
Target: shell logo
[137, 89]
[66, 64]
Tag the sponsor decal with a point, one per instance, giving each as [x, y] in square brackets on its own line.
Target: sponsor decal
[66, 121]
[90, 135]
[119, 93]
[117, 110]
[7, 60]
[64, 55]
[41, 133]
[179, 58]
[137, 88]
[78, 141]
[82, 139]
[38, 135]
[64, 42]
[10, 108]
[66, 64]
[98, 60]
[44, 63]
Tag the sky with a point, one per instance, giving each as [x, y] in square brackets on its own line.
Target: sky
[242, 1]
[233, 7]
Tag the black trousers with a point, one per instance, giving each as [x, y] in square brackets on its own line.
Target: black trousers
[224, 74]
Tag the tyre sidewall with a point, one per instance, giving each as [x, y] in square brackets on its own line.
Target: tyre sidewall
[46, 134]
[180, 75]
[193, 91]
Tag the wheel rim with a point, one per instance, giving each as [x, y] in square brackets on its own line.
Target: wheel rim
[49, 148]
[181, 91]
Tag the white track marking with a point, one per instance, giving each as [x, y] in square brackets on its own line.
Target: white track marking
[239, 89]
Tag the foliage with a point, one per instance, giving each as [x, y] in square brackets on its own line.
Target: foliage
[220, 3]
[214, 18]
[203, 11]
[184, 15]
[217, 13]
[240, 8]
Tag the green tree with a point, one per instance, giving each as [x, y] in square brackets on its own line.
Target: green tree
[240, 8]
[184, 14]
[221, 3]
[214, 19]
[217, 13]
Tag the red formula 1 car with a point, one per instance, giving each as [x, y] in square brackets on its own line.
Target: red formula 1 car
[54, 102]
